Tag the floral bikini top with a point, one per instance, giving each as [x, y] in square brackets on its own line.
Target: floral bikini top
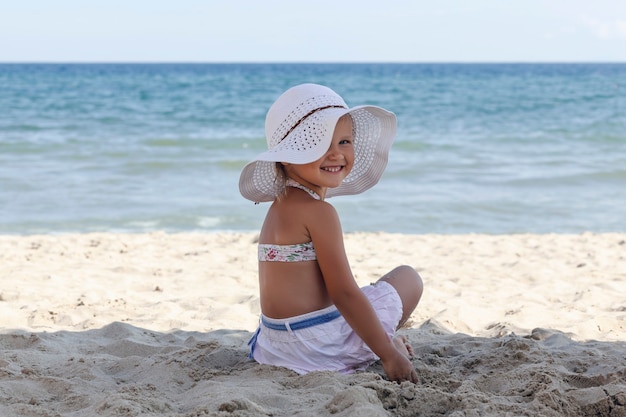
[298, 252]
[287, 253]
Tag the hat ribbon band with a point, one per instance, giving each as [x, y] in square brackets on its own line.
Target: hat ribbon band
[307, 115]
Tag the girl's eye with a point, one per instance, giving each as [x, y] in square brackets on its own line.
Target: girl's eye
[345, 142]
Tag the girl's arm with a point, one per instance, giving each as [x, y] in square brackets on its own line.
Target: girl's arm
[327, 236]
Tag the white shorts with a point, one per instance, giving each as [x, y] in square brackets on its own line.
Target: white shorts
[322, 340]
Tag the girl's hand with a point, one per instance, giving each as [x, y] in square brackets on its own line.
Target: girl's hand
[399, 368]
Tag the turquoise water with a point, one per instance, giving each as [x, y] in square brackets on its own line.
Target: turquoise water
[480, 148]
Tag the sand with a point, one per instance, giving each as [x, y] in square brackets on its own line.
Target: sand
[158, 324]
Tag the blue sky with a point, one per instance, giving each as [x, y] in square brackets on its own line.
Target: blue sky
[313, 31]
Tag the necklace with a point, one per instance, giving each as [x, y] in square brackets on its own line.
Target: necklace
[293, 183]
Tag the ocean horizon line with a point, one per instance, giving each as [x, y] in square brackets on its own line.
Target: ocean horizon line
[156, 62]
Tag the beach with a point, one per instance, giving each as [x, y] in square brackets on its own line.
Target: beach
[115, 324]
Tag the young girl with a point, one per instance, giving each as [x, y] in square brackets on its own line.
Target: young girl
[314, 315]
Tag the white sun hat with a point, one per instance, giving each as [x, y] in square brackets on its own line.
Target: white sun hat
[299, 128]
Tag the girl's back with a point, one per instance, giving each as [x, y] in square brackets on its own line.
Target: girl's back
[294, 286]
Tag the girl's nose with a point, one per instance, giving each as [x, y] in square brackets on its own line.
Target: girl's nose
[334, 152]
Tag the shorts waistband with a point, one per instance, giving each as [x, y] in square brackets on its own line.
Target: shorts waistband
[284, 325]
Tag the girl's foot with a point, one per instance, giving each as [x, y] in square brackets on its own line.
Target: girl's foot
[403, 346]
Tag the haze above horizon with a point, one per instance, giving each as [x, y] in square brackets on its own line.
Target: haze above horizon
[273, 31]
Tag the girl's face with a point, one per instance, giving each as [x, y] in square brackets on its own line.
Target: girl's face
[334, 166]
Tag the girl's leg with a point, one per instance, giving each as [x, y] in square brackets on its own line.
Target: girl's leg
[409, 286]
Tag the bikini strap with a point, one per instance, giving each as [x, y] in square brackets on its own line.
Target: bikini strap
[293, 183]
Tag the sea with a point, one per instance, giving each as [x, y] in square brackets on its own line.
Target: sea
[481, 148]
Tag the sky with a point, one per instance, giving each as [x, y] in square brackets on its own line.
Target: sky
[312, 31]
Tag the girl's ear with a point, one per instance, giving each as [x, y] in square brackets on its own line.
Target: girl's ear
[284, 164]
